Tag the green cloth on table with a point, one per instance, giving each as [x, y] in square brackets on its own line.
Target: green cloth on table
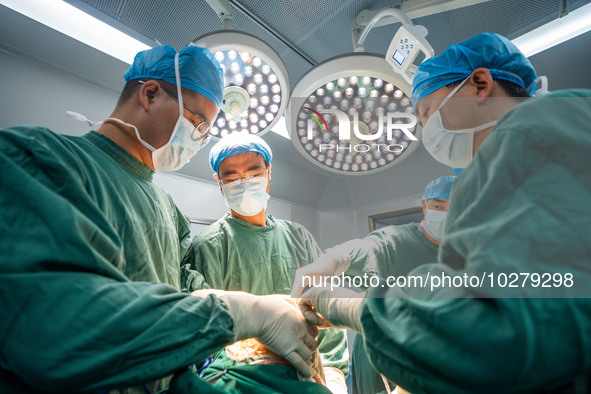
[230, 376]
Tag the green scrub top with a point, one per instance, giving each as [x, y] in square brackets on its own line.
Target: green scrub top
[521, 206]
[391, 251]
[231, 254]
[84, 231]
[388, 251]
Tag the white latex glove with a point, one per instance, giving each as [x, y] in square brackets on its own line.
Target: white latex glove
[335, 380]
[333, 261]
[274, 320]
[340, 307]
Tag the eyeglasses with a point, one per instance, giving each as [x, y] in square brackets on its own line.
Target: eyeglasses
[203, 126]
[253, 176]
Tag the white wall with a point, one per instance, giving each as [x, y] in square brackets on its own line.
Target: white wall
[337, 226]
[34, 93]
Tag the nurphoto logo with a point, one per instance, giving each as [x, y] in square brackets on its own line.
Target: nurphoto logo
[395, 124]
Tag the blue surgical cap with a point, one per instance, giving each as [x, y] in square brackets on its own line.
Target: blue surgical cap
[238, 143]
[489, 50]
[439, 188]
[198, 69]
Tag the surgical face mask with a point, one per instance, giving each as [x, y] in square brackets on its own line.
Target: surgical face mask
[434, 223]
[453, 148]
[248, 197]
[185, 141]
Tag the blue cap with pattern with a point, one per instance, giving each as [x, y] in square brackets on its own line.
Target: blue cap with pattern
[198, 69]
[439, 188]
[489, 50]
[235, 143]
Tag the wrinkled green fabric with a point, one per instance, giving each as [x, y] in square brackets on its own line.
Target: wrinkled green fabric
[83, 230]
[230, 376]
[234, 255]
[522, 205]
[389, 251]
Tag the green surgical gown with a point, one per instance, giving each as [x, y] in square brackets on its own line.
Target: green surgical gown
[89, 273]
[521, 206]
[389, 251]
[231, 254]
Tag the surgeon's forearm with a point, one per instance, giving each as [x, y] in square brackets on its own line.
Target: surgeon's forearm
[117, 334]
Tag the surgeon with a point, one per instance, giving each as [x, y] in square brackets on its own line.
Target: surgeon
[250, 250]
[394, 251]
[519, 211]
[91, 248]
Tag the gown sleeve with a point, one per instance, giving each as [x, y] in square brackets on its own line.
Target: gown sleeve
[520, 207]
[70, 320]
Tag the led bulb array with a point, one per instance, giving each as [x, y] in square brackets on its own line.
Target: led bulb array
[366, 99]
[253, 74]
[251, 64]
[352, 115]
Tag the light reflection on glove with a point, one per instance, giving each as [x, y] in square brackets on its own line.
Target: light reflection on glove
[274, 320]
[340, 307]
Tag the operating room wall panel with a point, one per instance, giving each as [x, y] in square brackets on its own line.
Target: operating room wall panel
[37, 94]
[363, 213]
[400, 181]
[194, 198]
[203, 200]
[335, 227]
[404, 179]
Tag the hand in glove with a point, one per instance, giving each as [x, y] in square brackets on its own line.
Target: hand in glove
[334, 261]
[340, 307]
[274, 321]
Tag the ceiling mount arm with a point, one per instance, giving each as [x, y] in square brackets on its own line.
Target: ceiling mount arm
[224, 11]
[404, 12]
[362, 26]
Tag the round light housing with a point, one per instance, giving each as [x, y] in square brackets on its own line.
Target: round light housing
[253, 65]
[352, 115]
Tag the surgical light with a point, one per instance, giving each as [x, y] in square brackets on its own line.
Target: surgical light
[360, 94]
[255, 79]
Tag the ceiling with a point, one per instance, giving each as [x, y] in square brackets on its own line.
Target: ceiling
[304, 33]
[317, 29]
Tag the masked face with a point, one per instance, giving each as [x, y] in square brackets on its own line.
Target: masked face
[434, 223]
[453, 148]
[185, 141]
[247, 197]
